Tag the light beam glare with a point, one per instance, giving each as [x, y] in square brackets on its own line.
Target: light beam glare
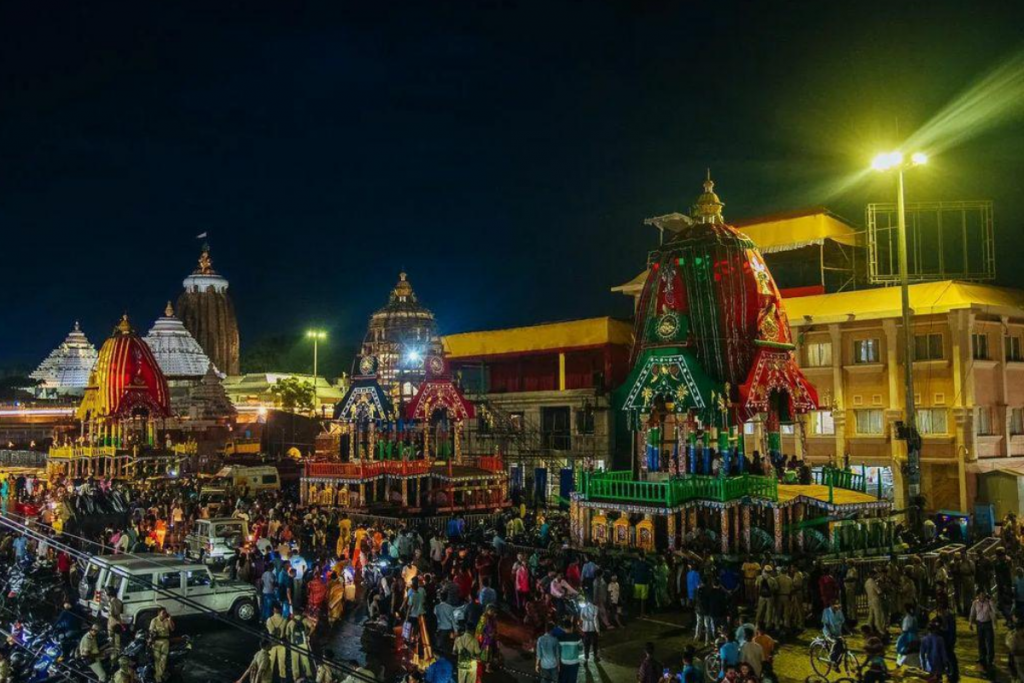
[994, 100]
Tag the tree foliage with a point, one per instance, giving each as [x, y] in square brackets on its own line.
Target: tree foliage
[293, 393]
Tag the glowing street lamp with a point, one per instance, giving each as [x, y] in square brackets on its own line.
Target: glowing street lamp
[316, 336]
[888, 161]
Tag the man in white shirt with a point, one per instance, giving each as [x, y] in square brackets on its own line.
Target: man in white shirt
[590, 627]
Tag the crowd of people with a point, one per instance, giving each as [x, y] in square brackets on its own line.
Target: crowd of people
[458, 596]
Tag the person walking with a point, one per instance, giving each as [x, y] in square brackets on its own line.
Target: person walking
[590, 628]
[571, 649]
[767, 588]
[467, 653]
[297, 635]
[160, 630]
[276, 626]
[982, 620]
[877, 618]
[548, 656]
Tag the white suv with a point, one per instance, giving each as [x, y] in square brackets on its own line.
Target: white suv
[214, 541]
[145, 583]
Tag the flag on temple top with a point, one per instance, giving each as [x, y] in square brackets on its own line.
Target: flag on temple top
[200, 235]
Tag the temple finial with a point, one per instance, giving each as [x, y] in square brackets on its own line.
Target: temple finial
[169, 310]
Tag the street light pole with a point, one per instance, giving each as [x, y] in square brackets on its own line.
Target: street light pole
[895, 161]
[913, 449]
[316, 336]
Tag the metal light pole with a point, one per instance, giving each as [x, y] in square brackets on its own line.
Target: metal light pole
[316, 336]
[885, 162]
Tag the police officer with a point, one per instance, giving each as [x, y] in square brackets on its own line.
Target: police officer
[276, 625]
[89, 650]
[125, 671]
[7, 676]
[160, 630]
[115, 610]
[259, 670]
[324, 673]
[297, 635]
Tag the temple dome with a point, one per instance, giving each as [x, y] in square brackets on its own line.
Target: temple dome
[176, 351]
[126, 381]
[67, 368]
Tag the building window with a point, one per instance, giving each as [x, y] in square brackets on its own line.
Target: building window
[819, 354]
[979, 346]
[1013, 352]
[931, 421]
[928, 347]
[822, 423]
[983, 420]
[789, 430]
[865, 351]
[1017, 421]
[585, 421]
[870, 422]
[749, 428]
[517, 421]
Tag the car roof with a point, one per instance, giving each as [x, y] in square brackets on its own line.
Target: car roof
[138, 563]
[217, 520]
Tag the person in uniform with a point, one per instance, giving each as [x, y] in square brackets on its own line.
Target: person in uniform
[324, 672]
[877, 618]
[297, 635]
[276, 626]
[767, 589]
[784, 585]
[89, 650]
[6, 675]
[115, 611]
[125, 671]
[160, 630]
[795, 612]
[260, 669]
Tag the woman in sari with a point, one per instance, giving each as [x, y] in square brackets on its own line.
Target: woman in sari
[487, 635]
[335, 599]
[316, 594]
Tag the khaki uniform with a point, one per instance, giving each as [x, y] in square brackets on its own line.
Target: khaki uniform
[324, 674]
[877, 618]
[160, 637]
[6, 675]
[966, 583]
[784, 582]
[467, 652]
[125, 675]
[261, 670]
[795, 606]
[297, 635]
[89, 650]
[276, 626]
[115, 610]
[766, 603]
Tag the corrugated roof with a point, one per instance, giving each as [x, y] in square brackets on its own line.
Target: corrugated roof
[535, 338]
[925, 298]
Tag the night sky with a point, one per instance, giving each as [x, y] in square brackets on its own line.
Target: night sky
[504, 154]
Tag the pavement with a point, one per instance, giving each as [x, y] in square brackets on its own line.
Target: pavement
[221, 653]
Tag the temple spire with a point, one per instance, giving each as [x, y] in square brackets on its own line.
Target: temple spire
[708, 208]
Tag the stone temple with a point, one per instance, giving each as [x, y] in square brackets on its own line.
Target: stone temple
[207, 312]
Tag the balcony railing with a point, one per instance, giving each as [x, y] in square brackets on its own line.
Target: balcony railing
[841, 479]
[367, 470]
[621, 486]
[74, 452]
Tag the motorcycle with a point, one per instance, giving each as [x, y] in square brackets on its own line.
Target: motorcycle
[142, 657]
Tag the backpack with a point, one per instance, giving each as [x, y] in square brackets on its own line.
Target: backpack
[764, 588]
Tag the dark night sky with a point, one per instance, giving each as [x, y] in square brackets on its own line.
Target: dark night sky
[504, 153]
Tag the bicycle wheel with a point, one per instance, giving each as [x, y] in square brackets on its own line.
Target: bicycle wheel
[821, 658]
[849, 665]
[711, 667]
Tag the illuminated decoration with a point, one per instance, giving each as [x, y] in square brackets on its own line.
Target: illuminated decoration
[400, 336]
[365, 399]
[206, 310]
[127, 381]
[439, 395]
[676, 378]
[67, 368]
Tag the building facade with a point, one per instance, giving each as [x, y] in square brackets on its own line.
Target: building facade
[543, 395]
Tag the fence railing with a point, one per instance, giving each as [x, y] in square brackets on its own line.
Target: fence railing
[73, 452]
[367, 470]
[17, 458]
[621, 486]
[841, 479]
